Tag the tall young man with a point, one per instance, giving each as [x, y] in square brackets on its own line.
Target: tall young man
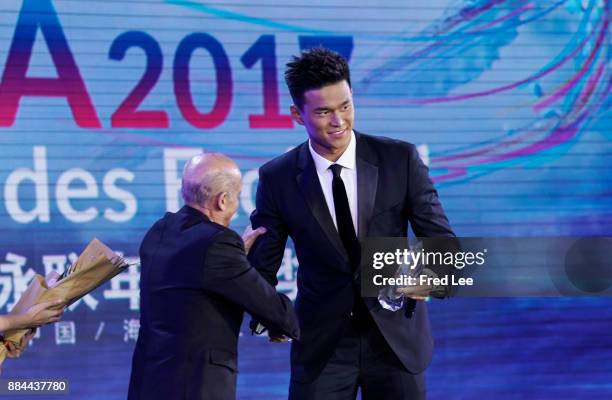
[329, 193]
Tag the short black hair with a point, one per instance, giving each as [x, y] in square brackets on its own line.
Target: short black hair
[314, 69]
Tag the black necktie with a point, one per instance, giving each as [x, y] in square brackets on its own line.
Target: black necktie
[346, 229]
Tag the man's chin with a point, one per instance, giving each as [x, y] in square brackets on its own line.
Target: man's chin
[341, 142]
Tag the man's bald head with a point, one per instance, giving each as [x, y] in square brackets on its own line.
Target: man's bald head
[207, 175]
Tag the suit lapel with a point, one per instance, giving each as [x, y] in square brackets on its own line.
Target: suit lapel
[308, 182]
[367, 184]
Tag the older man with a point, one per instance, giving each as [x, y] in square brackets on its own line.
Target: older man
[195, 284]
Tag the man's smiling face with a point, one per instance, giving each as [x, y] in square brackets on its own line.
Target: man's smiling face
[327, 114]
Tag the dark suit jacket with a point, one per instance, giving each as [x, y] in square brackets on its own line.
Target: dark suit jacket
[393, 190]
[195, 284]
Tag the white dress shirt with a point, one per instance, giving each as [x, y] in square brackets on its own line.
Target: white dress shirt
[348, 175]
[389, 301]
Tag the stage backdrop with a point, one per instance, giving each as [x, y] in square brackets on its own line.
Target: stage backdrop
[101, 103]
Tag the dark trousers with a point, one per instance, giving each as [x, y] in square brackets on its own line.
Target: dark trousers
[362, 359]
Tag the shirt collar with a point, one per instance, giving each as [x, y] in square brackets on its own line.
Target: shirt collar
[347, 159]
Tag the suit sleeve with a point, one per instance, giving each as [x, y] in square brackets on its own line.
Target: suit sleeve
[267, 252]
[228, 273]
[425, 212]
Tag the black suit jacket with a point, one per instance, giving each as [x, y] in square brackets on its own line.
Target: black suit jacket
[394, 190]
[195, 284]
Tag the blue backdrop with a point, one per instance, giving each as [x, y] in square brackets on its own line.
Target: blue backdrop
[101, 103]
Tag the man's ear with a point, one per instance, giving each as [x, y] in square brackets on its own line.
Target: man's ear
[222, 201]
[296, 115]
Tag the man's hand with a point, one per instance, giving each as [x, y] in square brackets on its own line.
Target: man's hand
[277, 338]
[249, 236]
[274, 336]
[422, 292]
[416, 292]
